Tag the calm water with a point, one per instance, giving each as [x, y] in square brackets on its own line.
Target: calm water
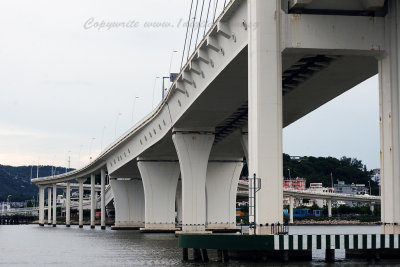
[31, 245]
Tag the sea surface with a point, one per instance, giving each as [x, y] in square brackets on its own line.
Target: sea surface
[31, 245]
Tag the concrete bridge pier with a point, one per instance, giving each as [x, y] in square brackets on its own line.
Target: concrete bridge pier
[291, 204]
[129, 203]
[193, 147]
[93, 198]
[41, 205]
[265, 109]
[329, 204]
[81, 181]
[54, 205]
[160, 179]
[389, 87]
[178, 202]
[49, 206]
[68, 205]
[103, 199]
[221, 188]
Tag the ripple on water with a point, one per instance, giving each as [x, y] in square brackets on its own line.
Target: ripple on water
[31, 245]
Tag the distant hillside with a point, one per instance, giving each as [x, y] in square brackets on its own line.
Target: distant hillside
[318, 170]
[15, 181]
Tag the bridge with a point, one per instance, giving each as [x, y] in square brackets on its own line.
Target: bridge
[261, 66]
[292, 194]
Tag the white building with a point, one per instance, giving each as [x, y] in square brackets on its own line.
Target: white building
[318, 188]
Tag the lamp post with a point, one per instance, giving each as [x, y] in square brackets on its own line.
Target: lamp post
[90, 149]
[170, 62]
[79, 154]
[154, 88]
[163, 89]
[69, 161]
[133, 107]
[102, 136]
[37, 170]
[116, 123]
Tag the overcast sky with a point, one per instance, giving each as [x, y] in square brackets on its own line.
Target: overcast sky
[64, 80]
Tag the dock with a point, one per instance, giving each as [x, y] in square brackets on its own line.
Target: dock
[288, 247]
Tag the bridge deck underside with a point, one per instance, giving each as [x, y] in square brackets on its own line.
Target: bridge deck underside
[228, 93]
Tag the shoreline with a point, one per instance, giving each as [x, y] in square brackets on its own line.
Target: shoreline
[333, 222]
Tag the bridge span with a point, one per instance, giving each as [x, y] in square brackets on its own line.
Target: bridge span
[262, 66]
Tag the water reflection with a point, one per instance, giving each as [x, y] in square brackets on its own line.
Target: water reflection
[31, 245]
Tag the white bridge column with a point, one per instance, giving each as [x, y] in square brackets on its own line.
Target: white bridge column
[68, 205]
[291, 203]
[265, 110]
[221, 189]
[160, 179]
[128, 202]
[389, 83]
[41, 205]
[54, 205]
[193, 149]
[49, 206]
[103, 199]
[179, 202]
[81, 181]
[329, 204]
[93, 199]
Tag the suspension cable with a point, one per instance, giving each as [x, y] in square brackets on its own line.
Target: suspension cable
[187, 30]
[215, 11]
[198, 29]
[208, 12]
[191, 35]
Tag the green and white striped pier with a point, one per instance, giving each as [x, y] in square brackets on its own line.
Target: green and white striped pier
[314, 242]
[270, 245]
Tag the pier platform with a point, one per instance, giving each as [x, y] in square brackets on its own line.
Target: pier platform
[287, 247]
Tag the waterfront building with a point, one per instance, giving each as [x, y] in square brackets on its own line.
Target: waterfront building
[296, 183]
[351, 189]
[319, 188]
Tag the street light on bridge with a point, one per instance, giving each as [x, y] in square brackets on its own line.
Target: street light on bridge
[116, 123]
[133, 107]
[90, 149]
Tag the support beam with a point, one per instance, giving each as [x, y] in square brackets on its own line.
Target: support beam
[221, 188]
[68, 205]
[49, 206]
[265, 109]
[54, 205]
[291, 203]
[160, 179]
[81, 181]
[41, 205]
[193, 149]
[129, 203]
[389, 83]
[342, 34]
[92, 201]
[103, 199]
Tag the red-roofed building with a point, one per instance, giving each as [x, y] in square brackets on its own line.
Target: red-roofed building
[296, 184]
